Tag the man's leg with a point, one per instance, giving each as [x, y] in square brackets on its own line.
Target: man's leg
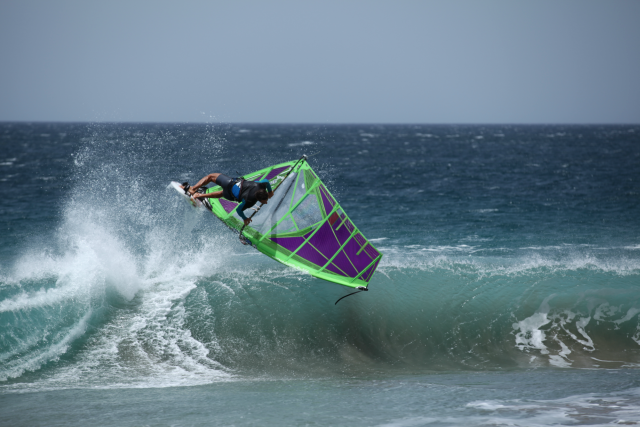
[204, 181]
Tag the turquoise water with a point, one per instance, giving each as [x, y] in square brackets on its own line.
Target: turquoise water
[508, 293]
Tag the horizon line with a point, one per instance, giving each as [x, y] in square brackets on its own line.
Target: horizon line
[133, 122]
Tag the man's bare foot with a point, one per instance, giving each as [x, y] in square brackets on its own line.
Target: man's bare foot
[187, 189]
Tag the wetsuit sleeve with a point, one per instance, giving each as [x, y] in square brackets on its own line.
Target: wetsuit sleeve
[240, 207]
[268, 184]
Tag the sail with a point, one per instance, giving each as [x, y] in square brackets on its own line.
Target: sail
[304, 227]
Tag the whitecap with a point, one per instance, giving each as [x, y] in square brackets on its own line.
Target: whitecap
[300, 144]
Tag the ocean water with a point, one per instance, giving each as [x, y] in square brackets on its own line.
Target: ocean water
[508, 294]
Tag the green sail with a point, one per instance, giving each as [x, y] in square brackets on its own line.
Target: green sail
[304, 227]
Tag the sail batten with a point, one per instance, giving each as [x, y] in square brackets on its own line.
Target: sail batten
[303, 226]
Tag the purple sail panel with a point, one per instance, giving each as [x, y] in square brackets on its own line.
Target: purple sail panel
[349, 226]
[327, 200]
[360, 239]
[227, 205]
[371, 252]
[367, 276]
[310, 254]
[289, 243]
[342, 262]
[342, 234]
[360, 262]
[276, 172]
[331, 267]
[325, 241]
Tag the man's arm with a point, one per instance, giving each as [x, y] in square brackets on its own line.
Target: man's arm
[239, 211]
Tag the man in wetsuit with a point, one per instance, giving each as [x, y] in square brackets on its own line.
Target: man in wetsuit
[248, 193]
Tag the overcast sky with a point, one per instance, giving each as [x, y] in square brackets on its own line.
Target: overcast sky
[557, 61]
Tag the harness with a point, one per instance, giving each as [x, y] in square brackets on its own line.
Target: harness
[238, 185]
[228, 192]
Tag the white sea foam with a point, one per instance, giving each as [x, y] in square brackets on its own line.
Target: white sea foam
[631, 313]
[504, 261]
[636, 335]
[486, 405]
[411, 421]
[76, 275]
[28, 300]
[529, 335]
[36, 359]
[147, 345]
[599, 409]
[580, 326]
[547, 326]
[150, 348]
[604, 310]
[300, 144]
[561, 359]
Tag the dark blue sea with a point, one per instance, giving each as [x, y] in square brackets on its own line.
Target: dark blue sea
[508, 294]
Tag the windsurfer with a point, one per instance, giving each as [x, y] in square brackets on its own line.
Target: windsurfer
[247, 193]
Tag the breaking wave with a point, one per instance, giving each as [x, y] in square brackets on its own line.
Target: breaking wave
[175, 300]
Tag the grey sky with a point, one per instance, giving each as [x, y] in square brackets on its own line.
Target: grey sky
[569, 61]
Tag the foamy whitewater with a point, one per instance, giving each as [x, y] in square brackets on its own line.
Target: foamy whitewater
[508, 294]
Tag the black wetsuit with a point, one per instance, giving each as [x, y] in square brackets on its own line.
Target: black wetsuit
[243, 191]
